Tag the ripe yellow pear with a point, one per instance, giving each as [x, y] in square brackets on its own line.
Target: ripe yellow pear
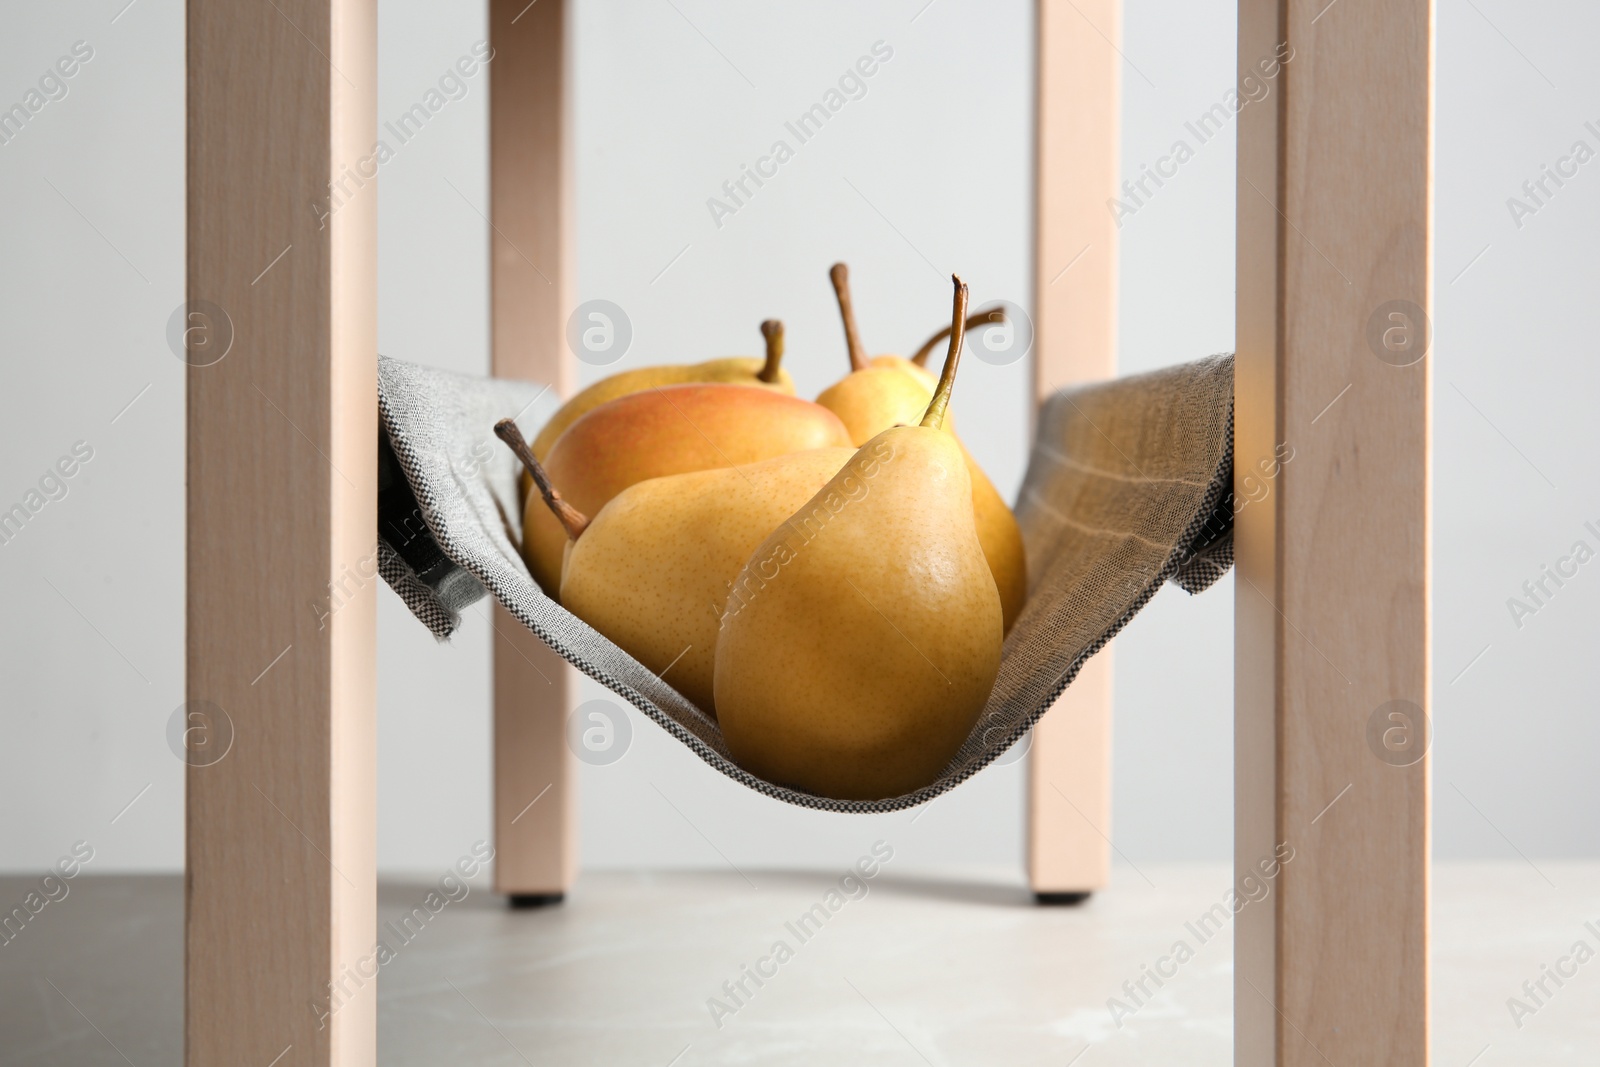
[652, 570]
[740, 370]
[893, 391]
[670, 429]
[862, 638]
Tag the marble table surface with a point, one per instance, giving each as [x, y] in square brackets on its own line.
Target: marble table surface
[902, 968]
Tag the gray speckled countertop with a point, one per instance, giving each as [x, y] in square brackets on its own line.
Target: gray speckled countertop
[947, 970]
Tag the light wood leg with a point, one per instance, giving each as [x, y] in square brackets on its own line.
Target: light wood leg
[1075, 324]
[1332, 622]
[280, 896]
[530, 189]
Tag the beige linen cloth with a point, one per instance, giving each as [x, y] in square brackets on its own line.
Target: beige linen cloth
[1128, 486]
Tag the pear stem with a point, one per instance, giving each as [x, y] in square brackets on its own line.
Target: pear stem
[947, 378]
[572, 520]
[772, 330]
[839, 274]
[976, 319]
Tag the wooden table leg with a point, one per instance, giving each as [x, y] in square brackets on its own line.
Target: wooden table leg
[281, 334]
[1332, 619]
[530, 189]
[1075, 340]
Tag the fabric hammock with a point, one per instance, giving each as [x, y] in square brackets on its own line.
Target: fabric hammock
[1129, 485]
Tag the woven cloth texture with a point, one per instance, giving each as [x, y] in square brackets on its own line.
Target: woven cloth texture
[1128, 487]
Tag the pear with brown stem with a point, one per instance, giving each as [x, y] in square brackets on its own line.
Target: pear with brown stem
[892, 391]
[766, 372]
[862, 638]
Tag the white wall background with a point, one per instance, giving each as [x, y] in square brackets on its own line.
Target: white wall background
[671, 99]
